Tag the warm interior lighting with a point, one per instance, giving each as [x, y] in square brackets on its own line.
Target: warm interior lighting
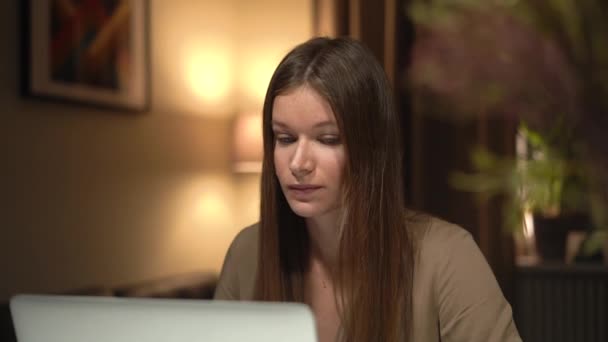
[255, 75]
[525, 243]
[528, 226]
[209, 74]
[204, 204]
[203, 223]
[247, 142]
[211, 207]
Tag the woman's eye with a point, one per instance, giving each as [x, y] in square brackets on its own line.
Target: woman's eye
[330, 140]
[284, 139]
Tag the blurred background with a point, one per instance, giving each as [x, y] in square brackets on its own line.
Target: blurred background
[504, 111]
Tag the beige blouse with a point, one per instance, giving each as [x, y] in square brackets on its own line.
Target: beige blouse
[455, 295]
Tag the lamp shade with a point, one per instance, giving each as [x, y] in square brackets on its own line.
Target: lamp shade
[247, 142]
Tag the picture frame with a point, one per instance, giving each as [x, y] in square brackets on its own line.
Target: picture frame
[88, 52]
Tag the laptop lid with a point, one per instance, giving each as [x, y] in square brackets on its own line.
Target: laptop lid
[40, 318]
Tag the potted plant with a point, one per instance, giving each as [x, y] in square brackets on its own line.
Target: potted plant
[542, 65]
[547, 184]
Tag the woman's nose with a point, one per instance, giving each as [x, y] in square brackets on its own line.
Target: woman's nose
[301, 162]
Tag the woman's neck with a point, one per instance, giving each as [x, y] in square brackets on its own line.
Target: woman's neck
[324, 239]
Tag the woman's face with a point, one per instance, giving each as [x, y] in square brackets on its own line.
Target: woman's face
[308, 153]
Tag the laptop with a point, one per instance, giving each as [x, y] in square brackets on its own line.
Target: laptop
[42, 318]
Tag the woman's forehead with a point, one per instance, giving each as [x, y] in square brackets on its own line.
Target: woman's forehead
[302, 107]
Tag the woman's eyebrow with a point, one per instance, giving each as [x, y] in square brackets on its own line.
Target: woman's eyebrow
[279, 123]
[324, 123]
[317, 125]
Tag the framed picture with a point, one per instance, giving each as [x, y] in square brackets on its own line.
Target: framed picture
[87, 51]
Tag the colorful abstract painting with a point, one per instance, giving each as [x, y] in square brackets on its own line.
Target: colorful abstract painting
[90, 42]
[91, 51]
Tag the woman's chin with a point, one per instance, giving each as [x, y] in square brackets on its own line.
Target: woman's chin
[305, 210]
[311, 209]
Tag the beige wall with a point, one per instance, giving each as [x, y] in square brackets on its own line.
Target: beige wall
[92, 197]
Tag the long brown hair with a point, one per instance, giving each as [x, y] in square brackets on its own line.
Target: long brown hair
[374, 273]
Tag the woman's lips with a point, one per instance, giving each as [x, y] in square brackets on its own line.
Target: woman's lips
[303, 189]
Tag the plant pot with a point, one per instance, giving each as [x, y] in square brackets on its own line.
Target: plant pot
[551, 234]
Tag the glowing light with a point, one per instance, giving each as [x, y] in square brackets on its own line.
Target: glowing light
[203, 224]
[205, 203]
[209, 74]
[528, 225]
[256, 74]
[211, 210]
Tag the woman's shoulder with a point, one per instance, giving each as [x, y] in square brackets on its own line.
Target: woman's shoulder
[455, 286]
[247, 239]
[244, 248]
[432, 232]
[240, 264]
[439, 245]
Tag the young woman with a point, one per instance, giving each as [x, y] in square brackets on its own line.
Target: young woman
[334, 231]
